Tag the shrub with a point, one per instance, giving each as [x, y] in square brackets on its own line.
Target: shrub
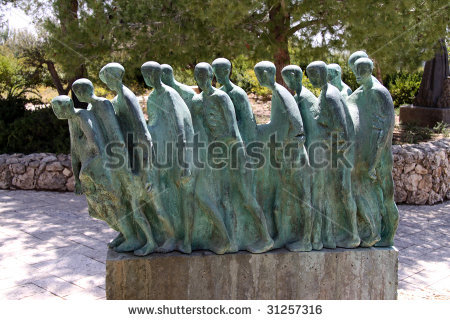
[12, 108]
[403, 87]
[349, 78]
[250, 84]
[442, 128]
[27, 131]
[307, 84]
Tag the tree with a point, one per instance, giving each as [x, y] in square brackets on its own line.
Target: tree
[47, 51]
[396, 34]
[16, 80]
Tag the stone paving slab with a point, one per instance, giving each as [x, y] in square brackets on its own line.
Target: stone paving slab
[50, 248]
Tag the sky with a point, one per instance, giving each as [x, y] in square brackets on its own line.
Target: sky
[17, 19]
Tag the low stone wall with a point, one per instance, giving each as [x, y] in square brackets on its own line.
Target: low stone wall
[39, 171]
[421, 172]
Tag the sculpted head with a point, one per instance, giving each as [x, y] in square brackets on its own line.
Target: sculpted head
[203, 75]
[222, 68]
[355, 56]
[334, 72]
[112, 75]
[63, 107]
[83, 89]
[292, 76]
[151, 71]
[167, 74]
[317, 73]
[363, 70]
[265, 73]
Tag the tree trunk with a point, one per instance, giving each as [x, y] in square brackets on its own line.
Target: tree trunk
[281, 59]
[279, 26]
[378, 71]
[434, 75]
[68, 14]
[56, 79]
[57, 82]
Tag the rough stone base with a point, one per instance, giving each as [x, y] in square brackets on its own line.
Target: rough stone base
[369, 273]
[424, 116]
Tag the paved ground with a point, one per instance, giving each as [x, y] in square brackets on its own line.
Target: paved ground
[51, 249]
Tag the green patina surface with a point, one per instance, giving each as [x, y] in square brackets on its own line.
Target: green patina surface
[201, 174]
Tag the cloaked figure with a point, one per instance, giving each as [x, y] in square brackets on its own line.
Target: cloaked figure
[139, 144]
[185, 91]
[308, 106]
[170, 125]
[339, 225]
[373, 165]
[131, 185]
[243, 217]
[285, 181]
[131, 119]
[335, 78]
[355, 56]
[242, 108]
[103, 185]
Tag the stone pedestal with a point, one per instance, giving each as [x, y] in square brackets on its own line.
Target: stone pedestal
[424, 116]
[363, 273]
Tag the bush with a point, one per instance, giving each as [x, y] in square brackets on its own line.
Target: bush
[307, 84]
[26, 131]
[12, 108]
[243, 75]
[250, 84]
[349, 78]
[403, 87]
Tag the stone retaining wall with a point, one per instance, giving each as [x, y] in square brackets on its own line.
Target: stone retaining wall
[421, 172]
[39, 171]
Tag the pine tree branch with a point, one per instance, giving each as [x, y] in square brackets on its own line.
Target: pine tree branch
[301, 25]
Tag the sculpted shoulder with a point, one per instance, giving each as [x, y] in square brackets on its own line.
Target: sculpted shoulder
[170, 91]
[221, 96]
[381, 92]
[130, 97]
[332, 95]
[238, 91]
[307, 95]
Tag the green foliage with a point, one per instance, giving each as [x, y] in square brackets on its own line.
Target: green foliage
[442, 128]
[403, 87]
[307, 84]
[250, 84]
[16, 79]
[12, 108]
[185, 75]
[28, 131]
[410, 133]
[396, 34]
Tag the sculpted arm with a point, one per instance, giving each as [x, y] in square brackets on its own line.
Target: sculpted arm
[230, 117]
[177, 119]
[76, 161]
[243, 100]
[384, 123]
[298, 131]
[340, 123]
[109, 117]
[143, 134]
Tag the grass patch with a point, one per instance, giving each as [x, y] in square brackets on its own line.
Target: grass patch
[411, 133]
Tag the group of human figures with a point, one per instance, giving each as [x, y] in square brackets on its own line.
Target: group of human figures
[317, 175]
